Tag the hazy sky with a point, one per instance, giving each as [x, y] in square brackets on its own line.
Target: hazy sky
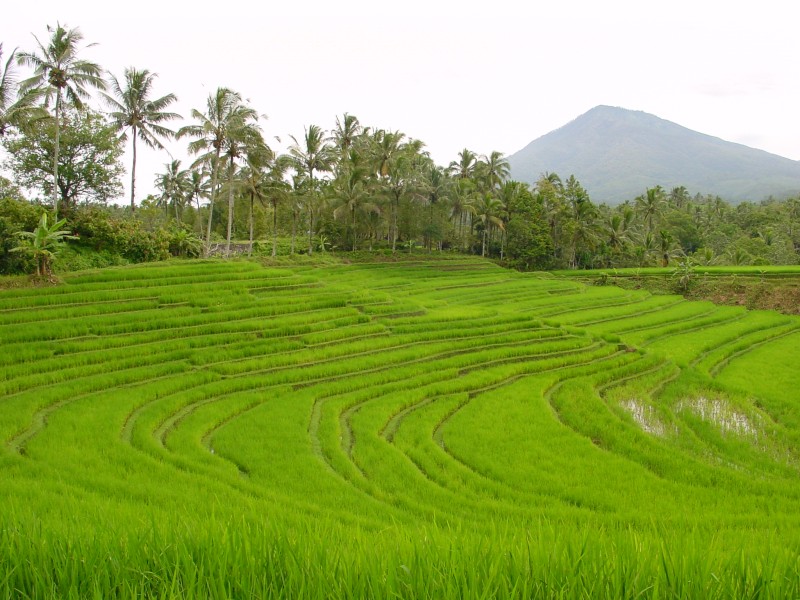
[482, 75]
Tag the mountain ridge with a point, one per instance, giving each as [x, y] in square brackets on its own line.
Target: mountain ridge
[617, 153]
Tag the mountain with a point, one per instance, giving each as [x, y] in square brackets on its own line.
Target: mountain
[617, 153]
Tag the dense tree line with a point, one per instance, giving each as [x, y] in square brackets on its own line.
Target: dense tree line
[353, 187]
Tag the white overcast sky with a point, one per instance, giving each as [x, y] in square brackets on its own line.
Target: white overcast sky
[491, 75]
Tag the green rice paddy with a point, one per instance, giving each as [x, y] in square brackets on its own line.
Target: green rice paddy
[427, 428]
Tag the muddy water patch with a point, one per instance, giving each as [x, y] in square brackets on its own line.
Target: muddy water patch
[644, 416]
[719, 412]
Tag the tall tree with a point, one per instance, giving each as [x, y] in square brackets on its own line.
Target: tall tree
[792, 211]
[393, 164]
[225, 117]
[175, 186]
[386, 147]
[17, 108]
[59, 72]
[616, 229]
[550, 192]
[461, 198]
[666, 246]
[464, 167]
[397, 184]
[244, 135]
[649, 205]
[492, 170]
[296, 196]
[89, 168]
[311, 155]
[510, 195]
[679, 196]
[199, 185]
[253, 177]
[527, 232]
[351, 192]
[277, 190]
[582, 214]
[434, 188]
[489, 211]
[345, 135]
[133, 110]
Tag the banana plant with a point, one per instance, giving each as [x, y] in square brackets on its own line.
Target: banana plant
[43, 244]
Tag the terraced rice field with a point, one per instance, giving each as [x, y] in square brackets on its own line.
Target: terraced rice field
[439, 428]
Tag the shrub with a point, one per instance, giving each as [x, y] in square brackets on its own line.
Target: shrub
[15, 216]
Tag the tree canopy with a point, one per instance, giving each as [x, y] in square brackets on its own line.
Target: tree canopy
[354, 186]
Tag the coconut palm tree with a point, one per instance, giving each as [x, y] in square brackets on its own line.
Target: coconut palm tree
[174, 185]
[17, 108]
[510, 193]
[312, 155]
[199, 185]
[386, 146]
[579, 219]
[461, 198]
[346, 133]
[791, 209]
[133, 110]
[667, 247]
[550, 191]
[464, 167]
[351, 191]
[434, 188]
[253, 180]
[277, 190]
[224, 126]
[617, 229]
[649, 206]
[492, 171]
[244, 136]
[489, 211]
[59, 72]
[394, 164]
[679, 196]
[400, 179]
[297, 200]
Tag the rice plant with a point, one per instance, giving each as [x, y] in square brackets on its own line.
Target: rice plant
[433, 427]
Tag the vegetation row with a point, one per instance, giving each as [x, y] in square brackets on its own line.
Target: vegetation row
[65, 124]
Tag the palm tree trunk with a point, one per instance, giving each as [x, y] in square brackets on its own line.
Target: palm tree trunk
[429, 241]
[230, 209]
[208, 231]
[250, 249]
[394, 227]
[133, 171]
[275, 230]
[310, 227]
[353, 213]
[310, 210]
[214, 178]
[294, 227]
[55, 155]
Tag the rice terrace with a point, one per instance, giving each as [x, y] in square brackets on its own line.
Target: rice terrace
[435, 426]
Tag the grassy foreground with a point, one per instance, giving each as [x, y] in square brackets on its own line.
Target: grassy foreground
[414, 429]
